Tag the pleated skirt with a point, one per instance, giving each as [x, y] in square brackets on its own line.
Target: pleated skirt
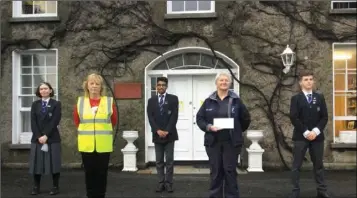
[45, 163]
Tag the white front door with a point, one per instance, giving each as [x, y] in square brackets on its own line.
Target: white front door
[191, 91]
[202, 86]
[181, 86]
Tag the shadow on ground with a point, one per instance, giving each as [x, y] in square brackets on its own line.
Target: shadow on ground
[17, 183]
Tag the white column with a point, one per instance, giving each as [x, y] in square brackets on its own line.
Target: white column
[129, 151]
[255, 152]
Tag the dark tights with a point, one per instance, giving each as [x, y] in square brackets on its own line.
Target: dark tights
[55, 179]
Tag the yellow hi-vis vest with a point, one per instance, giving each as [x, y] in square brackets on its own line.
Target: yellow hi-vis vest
[95, 130]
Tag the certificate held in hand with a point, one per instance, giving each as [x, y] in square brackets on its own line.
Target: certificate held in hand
[223, 123]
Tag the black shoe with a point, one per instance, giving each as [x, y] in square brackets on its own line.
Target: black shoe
[35, 190]
[160, 187]
[54, 191]
[322, 195]
[169, 188]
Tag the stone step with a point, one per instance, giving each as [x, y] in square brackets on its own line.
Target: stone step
[184, 169]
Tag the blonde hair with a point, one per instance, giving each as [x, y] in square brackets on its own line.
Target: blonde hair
[98, 79]
[223, 74]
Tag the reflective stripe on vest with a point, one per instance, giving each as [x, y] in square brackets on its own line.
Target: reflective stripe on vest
[95, 131]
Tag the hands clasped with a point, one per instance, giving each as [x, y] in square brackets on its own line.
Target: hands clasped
[311, 135]
[162, 133]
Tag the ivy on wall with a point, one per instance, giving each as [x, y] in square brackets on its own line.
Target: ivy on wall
[108, 36]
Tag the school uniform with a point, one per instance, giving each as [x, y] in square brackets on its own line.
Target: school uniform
[308, 112]
[45, 118]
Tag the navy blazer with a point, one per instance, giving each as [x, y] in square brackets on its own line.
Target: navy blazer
[46, 123]
[168, 121]
[305, 116]
[209, 110]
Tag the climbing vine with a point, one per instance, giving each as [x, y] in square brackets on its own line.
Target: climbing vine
[107, 36]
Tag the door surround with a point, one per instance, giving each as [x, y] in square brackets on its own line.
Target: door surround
[150, 72]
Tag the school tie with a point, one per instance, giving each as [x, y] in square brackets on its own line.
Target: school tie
[161, 104]
[309, 98]
[44, 105]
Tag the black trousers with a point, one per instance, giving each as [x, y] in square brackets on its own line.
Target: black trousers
[223, 159]
[316, 150]
[165, 150]
[96, 172]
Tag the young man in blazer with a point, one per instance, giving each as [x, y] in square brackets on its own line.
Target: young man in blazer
[162, 112]
[308, 114]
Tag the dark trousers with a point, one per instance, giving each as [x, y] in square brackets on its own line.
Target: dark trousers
[223, 159]
[96, 172]
[55, 179]
[165, 150]
[316, 150]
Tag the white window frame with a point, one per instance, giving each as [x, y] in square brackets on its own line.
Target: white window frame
[19, 137]
[335, 118]
[169, 9]
[17, 11]
[341, 8]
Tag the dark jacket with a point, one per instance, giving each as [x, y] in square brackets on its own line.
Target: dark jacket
[165, 122]
[305, 116]
[209, 110]
[46, 123]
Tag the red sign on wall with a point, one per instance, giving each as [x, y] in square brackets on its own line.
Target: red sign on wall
[127, 90]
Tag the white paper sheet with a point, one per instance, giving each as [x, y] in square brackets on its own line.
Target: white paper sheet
[223, 123]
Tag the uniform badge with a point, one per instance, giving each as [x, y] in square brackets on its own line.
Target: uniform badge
[318, 108]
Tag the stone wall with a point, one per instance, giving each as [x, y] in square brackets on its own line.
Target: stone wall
[251, 33]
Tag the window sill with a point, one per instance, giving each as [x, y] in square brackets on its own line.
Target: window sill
[343, 11]
[350, 146]
[19, 146]
[191, 16]
[34, 19]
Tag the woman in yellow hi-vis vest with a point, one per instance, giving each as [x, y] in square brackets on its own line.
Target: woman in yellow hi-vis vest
[95, 116]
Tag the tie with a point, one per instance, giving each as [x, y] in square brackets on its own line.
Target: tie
[309, 98]
[44, 105]
[161, 104]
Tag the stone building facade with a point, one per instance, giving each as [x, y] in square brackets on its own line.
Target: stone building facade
[132, 42]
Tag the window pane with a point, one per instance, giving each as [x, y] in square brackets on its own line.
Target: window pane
[26, 121]
[51, 78]
[39, 70]
[26, 101]
[27, 7]
[38, 60]
[351, 104]
[190, 5]
[209, 61]
[222, 65]
[352, 82]
[175, 61]
[340, 80]
[51, 60]
[26, 60]
[339, 64]
[204, 5]
[191, 59]
[39, 7]
[340, 104]
[27, 91]
[26, 70]
[51, 6]
[51, 70]
[178, 6]
[161, 66]
[232, 84]
[344, 125]
[153, 83]
[37, 79]
[26, 81]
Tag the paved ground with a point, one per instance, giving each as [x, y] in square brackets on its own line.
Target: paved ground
[16, 183]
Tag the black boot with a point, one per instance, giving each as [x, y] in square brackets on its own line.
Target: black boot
[36, 187]
[55, 179]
